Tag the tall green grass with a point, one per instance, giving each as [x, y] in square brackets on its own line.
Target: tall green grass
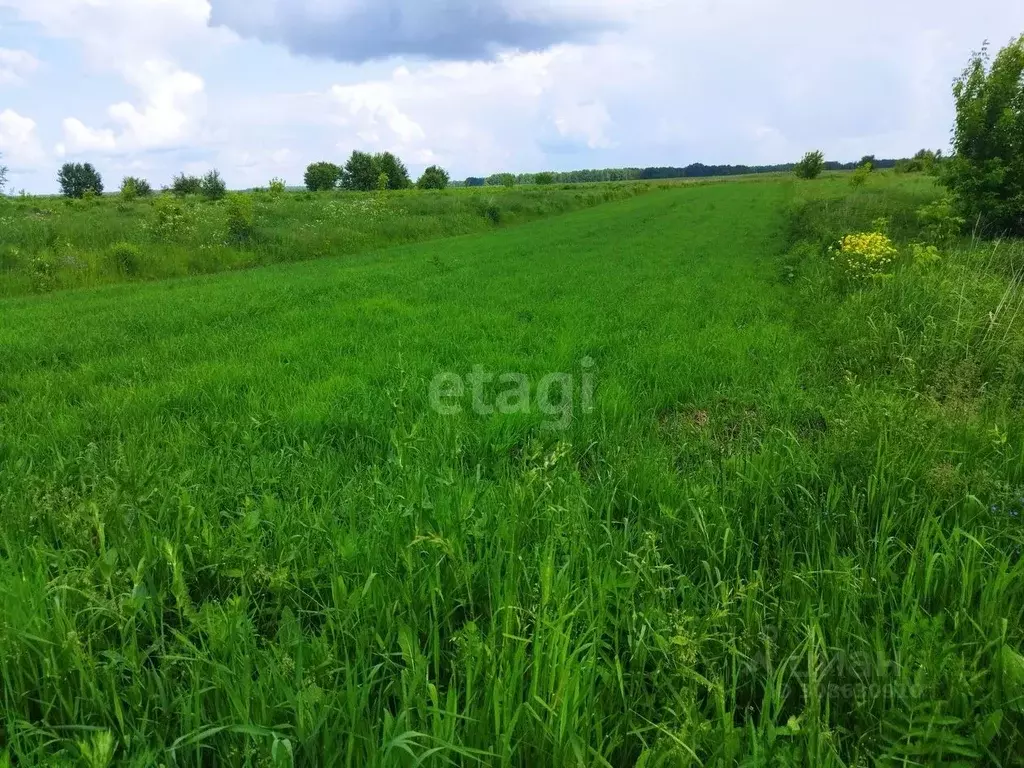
[47, 243]
[236, 533]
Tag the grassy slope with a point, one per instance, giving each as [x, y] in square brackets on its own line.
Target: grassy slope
[229, 506]
[50, 243]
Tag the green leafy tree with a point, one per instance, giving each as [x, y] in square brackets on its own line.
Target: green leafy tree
[434, 177]
[544, 178]
[277, 187]
[76, 179]
[986, 171]
[212, 186]
[183, 185]
[132, 187]
[398, 174]
[811, 166]
[502, 180]
[3, 177]
[868, 160]
[321, 177]
[361, 172]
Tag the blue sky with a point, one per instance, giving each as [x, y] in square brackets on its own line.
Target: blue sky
[261, 88]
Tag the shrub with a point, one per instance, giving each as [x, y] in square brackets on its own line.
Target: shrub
[382, 182]
[173, 220]
[811, 166]
[76, 179]
[126, 258]
[183, 185]
[864, 255]
[490, 210]
[860, 176]
[940, 222]
[241, 219]
[986, 171]
[277, 187]
[434, 177]
[43, 273]
[132, 188]
[321, 177]
[212, 186]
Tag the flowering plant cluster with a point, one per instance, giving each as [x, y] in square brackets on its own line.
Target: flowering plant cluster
[864, 255]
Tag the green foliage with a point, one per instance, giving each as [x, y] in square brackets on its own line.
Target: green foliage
[986, 171]
[277, 187]
[173, 222]
[940, 222]
[388, 164]
[434, 177]
[860, 176]
[132, 188]
[924, 161]
[811, 166]
[544, 178]
[322, 177]
[382, 182]
[76, 179]
[507, 180]
[183, 185]
[361, 172]
[126, 258]
[3, 177]
[212, 186]
[241, 219]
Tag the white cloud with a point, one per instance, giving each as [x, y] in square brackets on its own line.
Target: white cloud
[19, 142]
[171, 106]
[586, 121]
[16, 66]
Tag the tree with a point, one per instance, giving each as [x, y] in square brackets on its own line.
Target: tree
[76, 179]
[321, 177]
[811, 166]
[186, 185]
[132, 187]
[544, 178]
[212, 186]
[434, 177]
[986, 171]
[475, 181]
[3, 177]
[868, 160]
[502, 180]
[361, 172]
[398, 174]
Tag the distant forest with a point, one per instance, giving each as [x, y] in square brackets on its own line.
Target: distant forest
[696, 170]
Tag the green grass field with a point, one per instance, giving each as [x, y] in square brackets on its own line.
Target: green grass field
[767, 517]
[51, 243]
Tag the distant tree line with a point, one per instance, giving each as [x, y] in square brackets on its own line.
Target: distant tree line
[692, 171]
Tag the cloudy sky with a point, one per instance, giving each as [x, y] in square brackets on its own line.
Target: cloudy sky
[261, 88]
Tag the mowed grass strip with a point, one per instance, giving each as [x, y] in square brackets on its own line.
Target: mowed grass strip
[236, 529]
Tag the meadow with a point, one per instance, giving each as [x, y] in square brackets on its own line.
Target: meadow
[49, 244]
[773, 516]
